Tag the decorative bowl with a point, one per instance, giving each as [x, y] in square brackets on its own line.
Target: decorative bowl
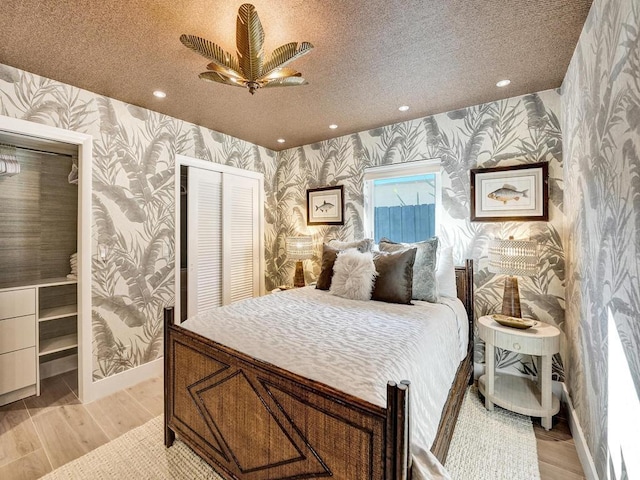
[514, 322]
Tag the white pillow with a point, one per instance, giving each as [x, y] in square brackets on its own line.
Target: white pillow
[446, 274]
[363, 245]
[353, 275]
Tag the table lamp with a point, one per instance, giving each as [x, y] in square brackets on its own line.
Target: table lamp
[299, 249]
[513, 257]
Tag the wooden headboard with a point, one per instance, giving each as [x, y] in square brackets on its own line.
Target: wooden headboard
[464, 284]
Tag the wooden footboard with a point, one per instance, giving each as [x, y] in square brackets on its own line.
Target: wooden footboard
[254, 421]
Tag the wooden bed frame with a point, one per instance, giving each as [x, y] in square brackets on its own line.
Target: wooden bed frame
[251, 420]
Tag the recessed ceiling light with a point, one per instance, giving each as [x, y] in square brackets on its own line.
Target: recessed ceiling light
[281, 140]
[403, 108]
[159, 94]
[503, 83]
[333, 126]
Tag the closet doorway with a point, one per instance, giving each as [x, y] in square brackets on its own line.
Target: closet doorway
[45, 279]
[219, 235]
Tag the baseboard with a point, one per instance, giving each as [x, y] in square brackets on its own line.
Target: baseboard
[116, 382]
[17, 395]
[584, 454]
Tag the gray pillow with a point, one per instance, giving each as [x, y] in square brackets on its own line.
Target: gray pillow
[329, 255]
[363, 246]
[395, 273]
[425, 286]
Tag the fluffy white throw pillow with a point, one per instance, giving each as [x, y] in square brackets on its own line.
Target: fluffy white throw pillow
[353, 275]
[446, 274]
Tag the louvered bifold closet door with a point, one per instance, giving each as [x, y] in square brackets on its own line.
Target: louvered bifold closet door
[242, 218]
[204, 219]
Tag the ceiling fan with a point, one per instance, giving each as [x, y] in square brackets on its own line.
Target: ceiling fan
[249, 69]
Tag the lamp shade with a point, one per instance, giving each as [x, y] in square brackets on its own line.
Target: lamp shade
[299, 248]
[513, 257]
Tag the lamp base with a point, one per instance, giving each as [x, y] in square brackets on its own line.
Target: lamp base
[511, 298]
[298, 279]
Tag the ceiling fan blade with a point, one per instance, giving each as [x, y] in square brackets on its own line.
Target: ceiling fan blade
[211, 51]
[224, 71]
[285, 82]
[280, 73]
[218, 78]
[249, 42]
[285, 54]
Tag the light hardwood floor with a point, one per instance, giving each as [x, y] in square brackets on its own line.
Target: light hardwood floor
[39, 434]
[557, 456]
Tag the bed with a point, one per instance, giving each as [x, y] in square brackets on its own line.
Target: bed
[252, 419]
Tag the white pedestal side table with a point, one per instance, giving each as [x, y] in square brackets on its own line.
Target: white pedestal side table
[514, 393]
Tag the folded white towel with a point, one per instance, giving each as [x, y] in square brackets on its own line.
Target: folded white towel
[9, 167]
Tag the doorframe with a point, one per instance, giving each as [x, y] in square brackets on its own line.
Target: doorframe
[183, 160]
[84, 142]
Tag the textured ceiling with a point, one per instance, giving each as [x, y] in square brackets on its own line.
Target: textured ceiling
[369, 58]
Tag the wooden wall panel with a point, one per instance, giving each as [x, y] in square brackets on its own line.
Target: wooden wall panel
[20, 221]
[58, 296]
[38, 219]
[58, 216]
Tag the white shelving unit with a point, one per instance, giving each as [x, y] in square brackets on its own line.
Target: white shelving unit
[57, 327]
[58, 344]
[38, 334]
[55, 313]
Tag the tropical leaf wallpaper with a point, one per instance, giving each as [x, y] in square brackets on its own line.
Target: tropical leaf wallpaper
[133, 204]
[601, 126]
[508, 132]
[590, 135]
[133, 207]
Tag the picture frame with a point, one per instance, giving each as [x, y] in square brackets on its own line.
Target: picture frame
[514, 193]
[325, 206]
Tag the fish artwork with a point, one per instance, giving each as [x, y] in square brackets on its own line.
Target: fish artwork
[325, 207]
[506, 193]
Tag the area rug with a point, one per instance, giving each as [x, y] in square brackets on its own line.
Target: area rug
[498, 445]
[138, 454]
[486, 445]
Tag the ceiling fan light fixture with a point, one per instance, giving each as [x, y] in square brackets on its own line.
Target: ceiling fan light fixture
[251, 68]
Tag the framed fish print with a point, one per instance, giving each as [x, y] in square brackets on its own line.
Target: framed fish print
[516, 193]
[325, 206]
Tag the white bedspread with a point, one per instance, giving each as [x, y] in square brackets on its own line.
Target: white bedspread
[354, 346]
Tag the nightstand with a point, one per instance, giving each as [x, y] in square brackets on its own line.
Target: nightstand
[514, 393]
[282, 288]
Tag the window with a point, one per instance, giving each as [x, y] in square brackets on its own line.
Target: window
[401, 200]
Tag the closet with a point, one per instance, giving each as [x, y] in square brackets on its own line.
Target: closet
[221, 235]
[38, 268]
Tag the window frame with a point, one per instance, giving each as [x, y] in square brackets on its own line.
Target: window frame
[396, 170]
